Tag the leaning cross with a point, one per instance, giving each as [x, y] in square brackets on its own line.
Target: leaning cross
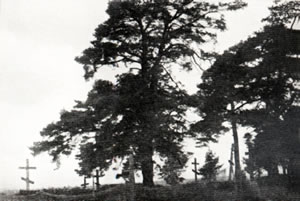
[27, 180]
[85, 184]
[195, 168]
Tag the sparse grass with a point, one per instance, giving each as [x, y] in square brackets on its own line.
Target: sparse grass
[214, 191]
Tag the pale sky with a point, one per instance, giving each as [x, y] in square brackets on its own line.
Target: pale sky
[39, 40]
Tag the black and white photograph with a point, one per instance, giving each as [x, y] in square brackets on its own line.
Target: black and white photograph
[150, 100]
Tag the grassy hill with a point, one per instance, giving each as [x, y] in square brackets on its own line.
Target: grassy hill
[201, 191]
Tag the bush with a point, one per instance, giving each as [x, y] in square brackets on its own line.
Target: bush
[211, 191]
[275, 180]
[68, 191]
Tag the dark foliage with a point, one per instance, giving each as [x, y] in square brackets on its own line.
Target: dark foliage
[144, 111]
[210, 169]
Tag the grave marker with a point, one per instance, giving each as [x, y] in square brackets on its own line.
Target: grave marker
[85, 184]
[27, 179]
[97, 176]
[195, 170]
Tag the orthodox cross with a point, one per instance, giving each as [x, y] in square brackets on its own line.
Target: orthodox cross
[195, 170]
[97, 176]
[84, 185]
[231, 164]
[27, 180]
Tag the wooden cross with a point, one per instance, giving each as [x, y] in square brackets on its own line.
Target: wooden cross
[84, 185]
[27, 180]
[97, 176]
[195, 168]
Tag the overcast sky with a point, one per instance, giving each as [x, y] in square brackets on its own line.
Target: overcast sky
[39, 40]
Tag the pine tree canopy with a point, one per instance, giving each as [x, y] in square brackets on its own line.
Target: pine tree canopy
[144, 112]
[254, 83]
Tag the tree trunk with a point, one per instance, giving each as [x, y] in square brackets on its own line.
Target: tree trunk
[238, 171]
[147, 170]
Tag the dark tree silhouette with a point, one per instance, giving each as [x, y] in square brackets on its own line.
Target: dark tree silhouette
[210, 169]
[254, 84]
[250, 160]
[144, 111]
[172, 169]
[254, 81]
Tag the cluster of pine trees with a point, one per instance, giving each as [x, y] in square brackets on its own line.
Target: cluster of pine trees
[144, 113]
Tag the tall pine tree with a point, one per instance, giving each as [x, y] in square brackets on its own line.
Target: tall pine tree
[144, 111]
[252, 83]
